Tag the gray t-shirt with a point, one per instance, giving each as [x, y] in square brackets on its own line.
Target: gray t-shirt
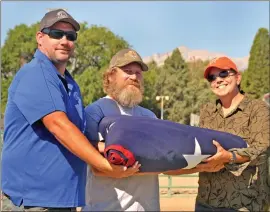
[136, 193]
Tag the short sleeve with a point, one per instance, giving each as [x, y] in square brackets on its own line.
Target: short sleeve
[146, 112]
[38, 94]
[93, 117]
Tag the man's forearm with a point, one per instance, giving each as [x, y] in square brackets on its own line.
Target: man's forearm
[74, 140]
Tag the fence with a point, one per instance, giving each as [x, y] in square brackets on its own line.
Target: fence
[178, 185]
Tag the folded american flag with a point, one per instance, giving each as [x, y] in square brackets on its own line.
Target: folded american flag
[160, 145]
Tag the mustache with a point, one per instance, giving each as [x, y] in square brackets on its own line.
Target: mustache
[136, 83]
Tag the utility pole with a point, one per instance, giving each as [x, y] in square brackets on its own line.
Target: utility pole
[162, 98]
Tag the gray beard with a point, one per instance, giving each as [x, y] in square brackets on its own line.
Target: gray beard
[127, 97]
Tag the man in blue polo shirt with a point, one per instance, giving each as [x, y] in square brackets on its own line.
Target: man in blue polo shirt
[45, 151]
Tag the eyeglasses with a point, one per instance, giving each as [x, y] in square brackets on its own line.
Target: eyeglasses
[222, 74]
[58, 34]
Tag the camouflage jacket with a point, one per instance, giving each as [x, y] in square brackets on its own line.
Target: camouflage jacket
[243, 187]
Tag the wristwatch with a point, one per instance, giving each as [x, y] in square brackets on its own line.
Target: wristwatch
[233, 158]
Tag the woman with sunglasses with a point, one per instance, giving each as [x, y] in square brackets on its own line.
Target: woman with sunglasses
[236, 179]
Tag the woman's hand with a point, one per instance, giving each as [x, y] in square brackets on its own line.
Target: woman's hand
[217, 161]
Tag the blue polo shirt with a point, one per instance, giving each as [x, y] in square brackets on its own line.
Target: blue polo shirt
[36, 169]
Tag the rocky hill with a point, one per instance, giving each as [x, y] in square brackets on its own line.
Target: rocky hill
[191, 55]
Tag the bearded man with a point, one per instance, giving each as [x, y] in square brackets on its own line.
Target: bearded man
[123, 84]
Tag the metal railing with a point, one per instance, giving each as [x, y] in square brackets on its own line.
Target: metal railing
[183, 190]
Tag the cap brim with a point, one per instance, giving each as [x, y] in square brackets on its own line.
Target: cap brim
[207, 70]
[143, 65]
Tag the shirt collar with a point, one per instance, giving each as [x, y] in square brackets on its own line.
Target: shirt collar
[40, 55]
[242, 105]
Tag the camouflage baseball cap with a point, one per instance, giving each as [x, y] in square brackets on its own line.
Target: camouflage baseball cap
[54, 16]
[125, 57]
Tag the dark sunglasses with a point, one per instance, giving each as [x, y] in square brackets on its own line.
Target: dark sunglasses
[222, 74]
[58, 34]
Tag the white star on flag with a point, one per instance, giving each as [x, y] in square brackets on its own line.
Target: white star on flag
[196, 158]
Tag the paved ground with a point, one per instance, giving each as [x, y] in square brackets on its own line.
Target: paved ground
[178, 204]
[182, 199]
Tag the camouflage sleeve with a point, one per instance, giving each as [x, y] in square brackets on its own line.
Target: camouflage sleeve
[258, 140]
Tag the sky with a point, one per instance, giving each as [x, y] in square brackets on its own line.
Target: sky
[153, 27]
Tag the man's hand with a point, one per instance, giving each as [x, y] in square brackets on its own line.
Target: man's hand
[118, 171]
[216, 162]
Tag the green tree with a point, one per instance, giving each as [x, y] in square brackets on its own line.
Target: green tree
[90, 82]
[256, 79]
[150, 79]
[95, 47]
[20, 44]
[4, 94]
[19, 47]
[198, 90]
[172, 82]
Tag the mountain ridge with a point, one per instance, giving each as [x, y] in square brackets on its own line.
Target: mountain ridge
[190, 55]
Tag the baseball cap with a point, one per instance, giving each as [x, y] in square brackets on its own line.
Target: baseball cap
[54, 16]
[221, 63]
[125, 57]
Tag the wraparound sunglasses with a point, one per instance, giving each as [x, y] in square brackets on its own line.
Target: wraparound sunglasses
[222, 74]
[58, 34]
